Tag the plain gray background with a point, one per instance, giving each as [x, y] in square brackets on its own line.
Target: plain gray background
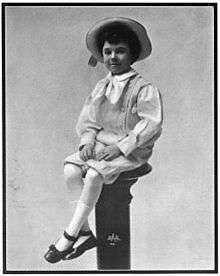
[47, 80]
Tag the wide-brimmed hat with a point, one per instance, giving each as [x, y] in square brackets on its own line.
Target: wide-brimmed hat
[137, 28]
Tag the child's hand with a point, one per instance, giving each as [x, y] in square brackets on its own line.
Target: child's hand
[87, 152]
[108, 153]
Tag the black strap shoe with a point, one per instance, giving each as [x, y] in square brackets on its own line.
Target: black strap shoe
[89, 243]
[53, 255]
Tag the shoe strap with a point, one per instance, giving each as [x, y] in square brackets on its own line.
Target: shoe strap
[85, 233]
[68, 237]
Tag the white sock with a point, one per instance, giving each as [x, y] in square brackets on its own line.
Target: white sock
[80, 215]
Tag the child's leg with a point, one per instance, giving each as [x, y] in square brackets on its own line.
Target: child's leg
[73, 176]
[90, 193]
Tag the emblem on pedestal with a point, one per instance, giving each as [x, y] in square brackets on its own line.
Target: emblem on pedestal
[113, 239]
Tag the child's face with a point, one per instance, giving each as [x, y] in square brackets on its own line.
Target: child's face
[117, 57]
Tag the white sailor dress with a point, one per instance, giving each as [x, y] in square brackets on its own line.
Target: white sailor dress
[123, 110]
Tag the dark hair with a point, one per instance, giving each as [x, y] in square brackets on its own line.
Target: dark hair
[116, 33]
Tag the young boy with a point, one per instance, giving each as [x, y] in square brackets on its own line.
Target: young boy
[118, 126]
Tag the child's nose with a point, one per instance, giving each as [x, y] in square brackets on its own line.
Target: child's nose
[113, 55]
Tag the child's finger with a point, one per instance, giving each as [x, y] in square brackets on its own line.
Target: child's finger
[89, 153]
[86, 155]
[108, 157]
[104, 155]
[93, 156]
[83, 155]
[101, 156]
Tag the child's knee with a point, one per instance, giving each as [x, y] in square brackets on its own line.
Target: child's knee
[72, 173]
[93, 176]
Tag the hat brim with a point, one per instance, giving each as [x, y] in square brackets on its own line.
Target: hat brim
[137, 28]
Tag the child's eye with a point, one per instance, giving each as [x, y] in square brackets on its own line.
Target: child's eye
[107, 52]
[121, 51]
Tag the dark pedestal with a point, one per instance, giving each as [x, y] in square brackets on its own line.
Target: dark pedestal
[113, 221]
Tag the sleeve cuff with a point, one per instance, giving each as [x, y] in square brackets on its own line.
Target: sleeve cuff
[86, 138]
[128, 144]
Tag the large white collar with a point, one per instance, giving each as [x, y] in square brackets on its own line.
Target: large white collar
[121, 77]
[112, 86]
[115, 85]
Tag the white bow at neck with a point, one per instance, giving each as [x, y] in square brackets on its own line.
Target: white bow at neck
[113, 86]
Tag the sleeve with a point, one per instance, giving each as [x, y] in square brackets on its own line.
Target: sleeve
[87, 127]
[149, 109]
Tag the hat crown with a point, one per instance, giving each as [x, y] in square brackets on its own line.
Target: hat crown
[137, 28]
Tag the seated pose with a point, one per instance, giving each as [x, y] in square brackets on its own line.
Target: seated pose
[118, 126]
